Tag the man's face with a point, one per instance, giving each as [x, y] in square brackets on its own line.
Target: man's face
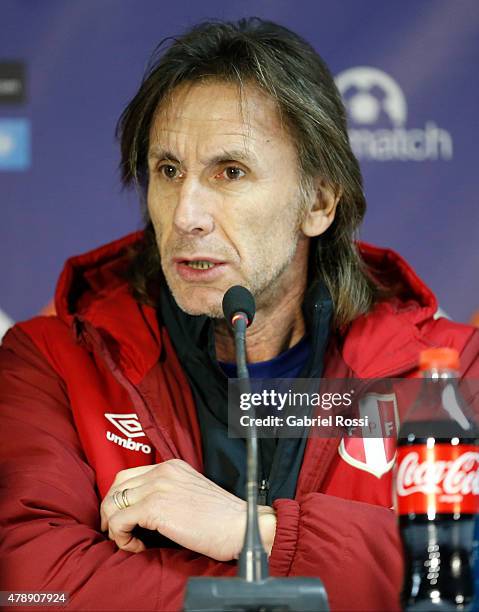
[223, 196]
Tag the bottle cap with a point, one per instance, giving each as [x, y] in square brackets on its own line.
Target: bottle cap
[439, 359]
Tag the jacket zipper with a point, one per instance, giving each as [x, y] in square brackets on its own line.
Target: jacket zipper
[263, 492]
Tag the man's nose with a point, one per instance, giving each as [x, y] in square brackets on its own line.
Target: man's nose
[192, 214]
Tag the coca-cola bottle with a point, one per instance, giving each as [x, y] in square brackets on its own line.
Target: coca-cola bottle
[437, 489]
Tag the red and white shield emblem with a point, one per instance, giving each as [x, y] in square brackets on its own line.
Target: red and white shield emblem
[375, 452]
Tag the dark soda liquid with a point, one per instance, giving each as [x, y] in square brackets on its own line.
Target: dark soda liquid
[438, 551]
[438, 560]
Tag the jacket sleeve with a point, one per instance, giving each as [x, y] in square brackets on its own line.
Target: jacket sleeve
[352, 546]
[49, 510]
[49, 506]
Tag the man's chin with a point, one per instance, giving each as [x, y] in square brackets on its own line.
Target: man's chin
[200, 304]
[195, 300]
[215, 312]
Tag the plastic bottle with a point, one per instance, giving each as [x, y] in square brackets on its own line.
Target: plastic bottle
[437, 490]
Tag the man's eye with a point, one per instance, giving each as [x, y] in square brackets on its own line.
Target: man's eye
[168, 171]
[232, 173]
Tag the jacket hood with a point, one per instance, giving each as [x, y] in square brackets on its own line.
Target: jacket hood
[93, 288]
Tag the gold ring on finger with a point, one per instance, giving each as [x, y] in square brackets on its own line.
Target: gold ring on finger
[118, 499]
[124, 498]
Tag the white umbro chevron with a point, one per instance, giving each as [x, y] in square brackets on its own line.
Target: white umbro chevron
[128, 424]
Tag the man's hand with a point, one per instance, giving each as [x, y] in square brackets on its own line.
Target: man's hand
[184, 506]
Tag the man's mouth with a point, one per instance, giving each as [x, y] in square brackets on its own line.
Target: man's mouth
[199, 265]
[203, 268]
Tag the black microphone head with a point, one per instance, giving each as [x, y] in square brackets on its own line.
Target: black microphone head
[238, 299]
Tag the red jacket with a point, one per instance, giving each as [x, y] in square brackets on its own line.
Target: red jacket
[105, 355]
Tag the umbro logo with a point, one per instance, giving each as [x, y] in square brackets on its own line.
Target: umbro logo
[128, 424]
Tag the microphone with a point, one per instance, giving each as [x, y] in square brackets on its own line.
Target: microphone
[239, 309]
[238, 302]
[252, 589]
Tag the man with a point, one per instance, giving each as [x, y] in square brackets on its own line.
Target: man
[120, 480]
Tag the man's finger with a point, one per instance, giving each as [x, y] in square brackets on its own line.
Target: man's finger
[134, 545]
[125, 475]
[122, 483]
[127, 497]
[121, 525]
[103, 519]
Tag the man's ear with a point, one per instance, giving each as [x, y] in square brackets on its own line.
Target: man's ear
[321, 208]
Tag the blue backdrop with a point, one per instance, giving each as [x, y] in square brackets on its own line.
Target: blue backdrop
[407, 70]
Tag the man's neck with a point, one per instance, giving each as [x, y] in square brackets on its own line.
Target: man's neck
[272, 332]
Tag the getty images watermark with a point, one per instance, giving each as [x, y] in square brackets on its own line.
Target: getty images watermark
[293, 408]
[275, 401]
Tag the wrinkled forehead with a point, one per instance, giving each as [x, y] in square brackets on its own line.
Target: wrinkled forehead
[217, 107]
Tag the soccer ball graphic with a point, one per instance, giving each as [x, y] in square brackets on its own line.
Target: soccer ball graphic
[370, 94]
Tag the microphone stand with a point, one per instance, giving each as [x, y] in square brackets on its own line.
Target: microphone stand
[253, 560]
[252, 590]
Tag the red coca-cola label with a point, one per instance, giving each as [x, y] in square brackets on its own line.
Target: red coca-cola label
[441, 479]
